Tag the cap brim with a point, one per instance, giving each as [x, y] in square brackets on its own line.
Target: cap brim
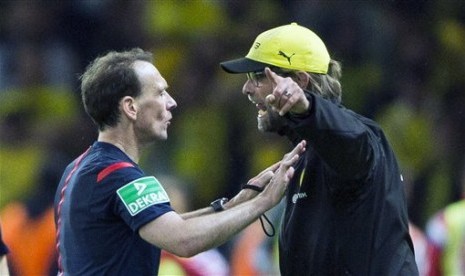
[242, 65]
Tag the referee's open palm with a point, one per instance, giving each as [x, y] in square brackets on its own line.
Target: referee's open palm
[276, 189]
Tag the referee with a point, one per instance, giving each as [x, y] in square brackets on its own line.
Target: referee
[112, 218]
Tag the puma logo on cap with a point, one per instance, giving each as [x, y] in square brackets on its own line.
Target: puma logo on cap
[281, 53]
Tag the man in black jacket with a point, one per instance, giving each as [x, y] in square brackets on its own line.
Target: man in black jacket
[346, 210]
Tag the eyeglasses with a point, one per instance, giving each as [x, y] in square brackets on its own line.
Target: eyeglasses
[256, 77]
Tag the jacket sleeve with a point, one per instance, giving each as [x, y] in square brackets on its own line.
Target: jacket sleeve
[343, 139]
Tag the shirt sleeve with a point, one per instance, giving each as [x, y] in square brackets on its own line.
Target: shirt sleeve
[346, 141]
[135, 198]
[141, 201]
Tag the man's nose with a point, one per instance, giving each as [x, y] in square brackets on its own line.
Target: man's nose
[248, 88]
[171, 103]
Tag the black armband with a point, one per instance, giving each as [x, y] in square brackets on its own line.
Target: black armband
[252, 187]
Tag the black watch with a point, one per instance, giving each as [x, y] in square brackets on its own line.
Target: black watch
[218, 205]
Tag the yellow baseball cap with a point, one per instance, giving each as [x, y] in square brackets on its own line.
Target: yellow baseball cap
[290, 46]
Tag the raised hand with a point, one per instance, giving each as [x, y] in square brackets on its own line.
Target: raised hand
[276, 189]
[287, 95]
[264, 177]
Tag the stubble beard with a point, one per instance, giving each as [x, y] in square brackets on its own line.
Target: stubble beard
[270, 122]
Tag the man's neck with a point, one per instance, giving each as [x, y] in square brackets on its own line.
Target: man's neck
[121, 140]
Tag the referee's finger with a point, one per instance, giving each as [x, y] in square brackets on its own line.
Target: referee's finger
[298, 149]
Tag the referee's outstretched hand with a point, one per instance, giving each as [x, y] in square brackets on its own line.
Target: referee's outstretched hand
[277, 186]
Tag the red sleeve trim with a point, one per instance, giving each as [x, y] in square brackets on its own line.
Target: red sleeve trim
[105, 172]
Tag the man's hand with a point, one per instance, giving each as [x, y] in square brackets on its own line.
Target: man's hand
[276, 189]
[264, 177]
[287, 95]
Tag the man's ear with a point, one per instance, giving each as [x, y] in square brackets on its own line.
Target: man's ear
[303, 79]
[129, 107]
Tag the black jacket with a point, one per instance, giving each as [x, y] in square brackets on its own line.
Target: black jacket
[346, 212]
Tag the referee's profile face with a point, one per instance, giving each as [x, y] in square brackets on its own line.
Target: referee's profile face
[153, 105]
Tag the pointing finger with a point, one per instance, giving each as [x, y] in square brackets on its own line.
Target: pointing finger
[272, 76]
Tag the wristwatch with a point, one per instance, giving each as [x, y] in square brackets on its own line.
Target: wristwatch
[218, 205]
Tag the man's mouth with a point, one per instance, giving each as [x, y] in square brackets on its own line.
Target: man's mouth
[261, 109]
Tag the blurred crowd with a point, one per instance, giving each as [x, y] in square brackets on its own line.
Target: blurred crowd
[403, 65]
